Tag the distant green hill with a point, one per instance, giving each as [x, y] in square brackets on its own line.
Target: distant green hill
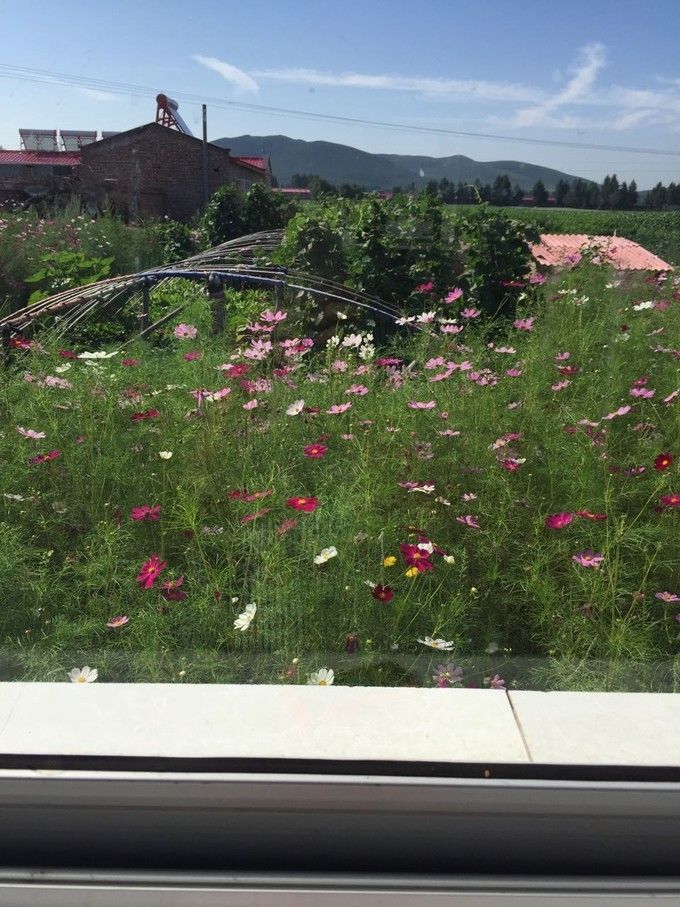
[343, 164]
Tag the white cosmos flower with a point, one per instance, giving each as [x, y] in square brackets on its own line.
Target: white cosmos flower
[333, 341]
[245, 618]
[324, 677]
[426, 546]
[352, 340]
[101, 354]
[641, 306]
[60, 369]
[165, 454]
[449, 558]
[326, 555]
[83, 675]
[445, 645]
[295, 408]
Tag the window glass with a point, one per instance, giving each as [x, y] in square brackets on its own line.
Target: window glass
[343, 361]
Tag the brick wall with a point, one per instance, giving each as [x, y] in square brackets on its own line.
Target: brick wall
[152, 171]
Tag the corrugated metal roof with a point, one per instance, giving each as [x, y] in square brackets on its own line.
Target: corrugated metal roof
[41, 158]
[623, 254]
[259, 162]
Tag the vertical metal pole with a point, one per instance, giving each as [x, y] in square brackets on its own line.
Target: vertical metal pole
[206, 187]
[144, 320]
[217, 305]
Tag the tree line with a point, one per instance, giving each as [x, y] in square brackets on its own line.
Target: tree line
[578, 193]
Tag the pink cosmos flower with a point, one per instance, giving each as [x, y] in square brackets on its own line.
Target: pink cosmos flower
[315, 451]
[468, 520]
[424, 287]
[357, 389]
[249, 517]
[192, 356]
[130, 363]
[286, 526]
[561, 385]
[496, 682]
[306, 505]
[150, 571]
[560, 357]
[537, 279]
[621, 411]
[146, 512]
[338, 408]
[514, 372]
[259, 349]
[573, 259]
[453, 295]
[641, 392]
[451, 328]
[448, 433]
[30, 433]
[670, 500]
[185, 332]
[524, 324]
[588, 559]
[415, 404]
[339, 365]
[218, 395]
[470, 313]
[54, 381]
[435, 362]
[251, 404]
[669, 399]
[44, 458]
[586, 514]
[469, 496]
[510, 464]
[119, 621]
[559, 520]
[667, 597]
[273, 317]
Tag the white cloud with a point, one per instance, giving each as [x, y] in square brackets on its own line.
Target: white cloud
[238, 78]
[591, 62]
[461, 89]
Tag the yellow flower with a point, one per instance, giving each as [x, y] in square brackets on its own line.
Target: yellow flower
[411, 572]
[390, 561]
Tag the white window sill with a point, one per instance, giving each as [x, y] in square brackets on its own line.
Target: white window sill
[339, 723]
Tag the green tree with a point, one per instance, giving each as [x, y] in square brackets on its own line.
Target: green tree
[540, 194]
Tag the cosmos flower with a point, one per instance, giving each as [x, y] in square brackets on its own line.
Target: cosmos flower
[146, 512]
[670, 500]
[325, 555]
[44, 458]
[145, 416]
[31, 433]
[185, 332]
[442, 644]
[667, 597]
[83, 675]
[119, 621]
[324, 677]
[315, 451]
[295, 408]
[448, 675]
[383, 593]
[415, 404]
[245, 618]
[453, 295]
[150, 571]
[306, 505]
[663, 461]
[338, 408]
[468, 520]
[588, 559]
[559, 520]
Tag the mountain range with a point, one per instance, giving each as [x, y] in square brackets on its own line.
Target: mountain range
[342, 164]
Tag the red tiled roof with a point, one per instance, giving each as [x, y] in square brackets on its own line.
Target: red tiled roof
[44, 158]
[623, 254]
[259, 162]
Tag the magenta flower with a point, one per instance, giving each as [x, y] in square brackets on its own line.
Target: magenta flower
[524, 324]
[644, 392]
[44, 458]
[185, 332]
[537, 279]
[667, 597]
[514, 372]
[150, 571]
[496, 682]
[338, 408]
[559, 520]
[470, 313]
[415, 404]
[424, 287]
[251, 404]
[560, 386]
[469, 521]
[453, 295]
[588, 559]
[621, 411]
[560, 357]
[272, 317]
[192, 356]
[451, 328]
[145, 512]
[357, 389]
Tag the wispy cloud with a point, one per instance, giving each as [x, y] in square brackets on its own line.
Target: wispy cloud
[583, 75]
[97, 95]
[460, 89]
[237, 77]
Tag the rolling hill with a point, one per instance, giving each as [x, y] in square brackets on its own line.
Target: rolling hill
[343, 164]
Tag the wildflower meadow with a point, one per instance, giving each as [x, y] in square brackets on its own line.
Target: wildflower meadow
[475, 502]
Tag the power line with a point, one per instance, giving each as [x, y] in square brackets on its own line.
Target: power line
[21, 73]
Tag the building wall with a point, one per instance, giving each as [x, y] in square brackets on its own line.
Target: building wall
[18, 181]
[155, 171]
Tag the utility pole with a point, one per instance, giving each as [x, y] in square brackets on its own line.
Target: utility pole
[206, 187]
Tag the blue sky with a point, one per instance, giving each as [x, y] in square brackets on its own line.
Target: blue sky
[583, 72]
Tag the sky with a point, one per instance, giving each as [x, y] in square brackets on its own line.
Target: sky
[583, 72]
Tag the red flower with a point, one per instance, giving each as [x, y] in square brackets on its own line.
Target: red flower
[670, 500]
[20, 343]
[171, 592]
[591, 516]
[558, 520]
[315, 451]
[147, 414]
[663, 461]
[286, 526]
[512, 284]
[130, 362]
[150, 571]
[44, 458]
[383, 593]
[416, 557]
[249, 517]
[308, 505]
[145, 512]
[68, 354]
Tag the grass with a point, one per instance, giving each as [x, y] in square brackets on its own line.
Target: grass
[508, 596]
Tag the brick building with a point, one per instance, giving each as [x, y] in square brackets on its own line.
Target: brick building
[31, 174]
[152, 171]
